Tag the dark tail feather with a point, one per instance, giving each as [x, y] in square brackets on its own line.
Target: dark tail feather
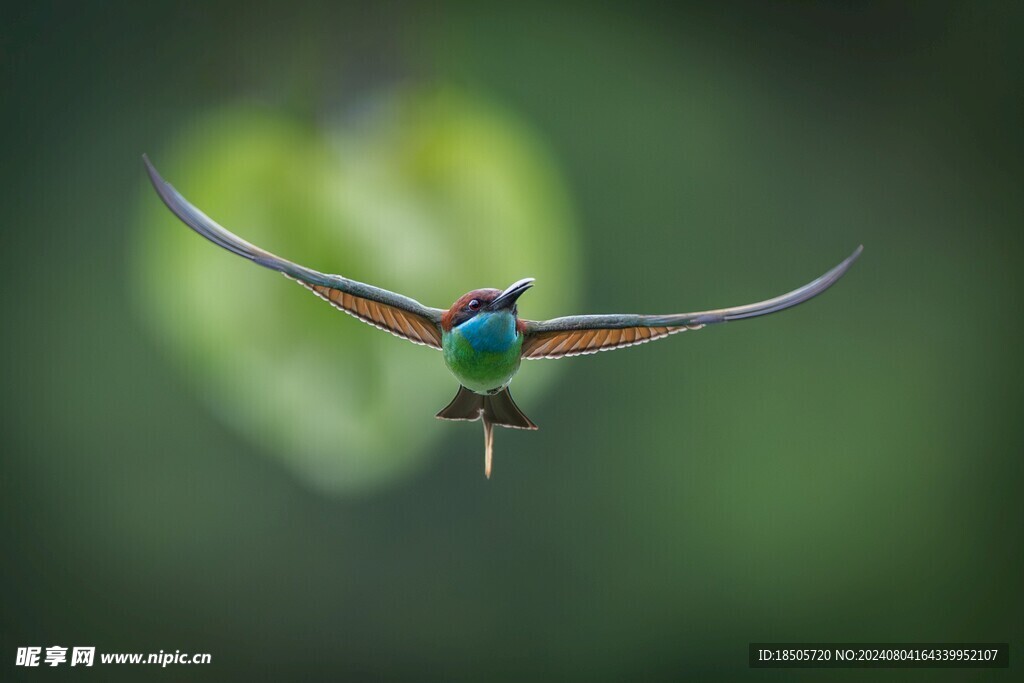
[465, 406]
[496, 409]
[503, 411]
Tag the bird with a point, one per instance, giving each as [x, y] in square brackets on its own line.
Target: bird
[481, 336]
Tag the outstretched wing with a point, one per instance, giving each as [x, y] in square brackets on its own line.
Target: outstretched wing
[394, 313]
[583, 334]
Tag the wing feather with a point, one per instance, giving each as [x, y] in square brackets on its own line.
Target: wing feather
[388, 318]
[386, 310]
[586, 334]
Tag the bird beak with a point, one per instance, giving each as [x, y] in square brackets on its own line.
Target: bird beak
[507, 299]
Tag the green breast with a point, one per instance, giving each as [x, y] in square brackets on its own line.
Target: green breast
[480, 371]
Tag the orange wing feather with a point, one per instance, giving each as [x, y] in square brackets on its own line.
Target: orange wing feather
[388, 318]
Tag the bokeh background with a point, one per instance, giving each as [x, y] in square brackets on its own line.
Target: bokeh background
[197, 455]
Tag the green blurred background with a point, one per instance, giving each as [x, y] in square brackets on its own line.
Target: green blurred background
[198, 455]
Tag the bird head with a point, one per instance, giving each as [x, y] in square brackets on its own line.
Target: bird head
[485, 302]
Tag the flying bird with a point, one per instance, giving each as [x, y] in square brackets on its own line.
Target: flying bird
[481, 336]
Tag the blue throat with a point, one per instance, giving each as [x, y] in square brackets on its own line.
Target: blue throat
[493, 332]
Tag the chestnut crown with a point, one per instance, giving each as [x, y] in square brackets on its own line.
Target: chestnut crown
[478, 301]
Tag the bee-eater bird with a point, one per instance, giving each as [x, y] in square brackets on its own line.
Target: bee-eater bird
[481, 336]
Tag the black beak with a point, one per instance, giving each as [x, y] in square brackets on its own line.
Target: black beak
[507, 299]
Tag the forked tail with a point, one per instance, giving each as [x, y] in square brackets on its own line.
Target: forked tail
[494, 409]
